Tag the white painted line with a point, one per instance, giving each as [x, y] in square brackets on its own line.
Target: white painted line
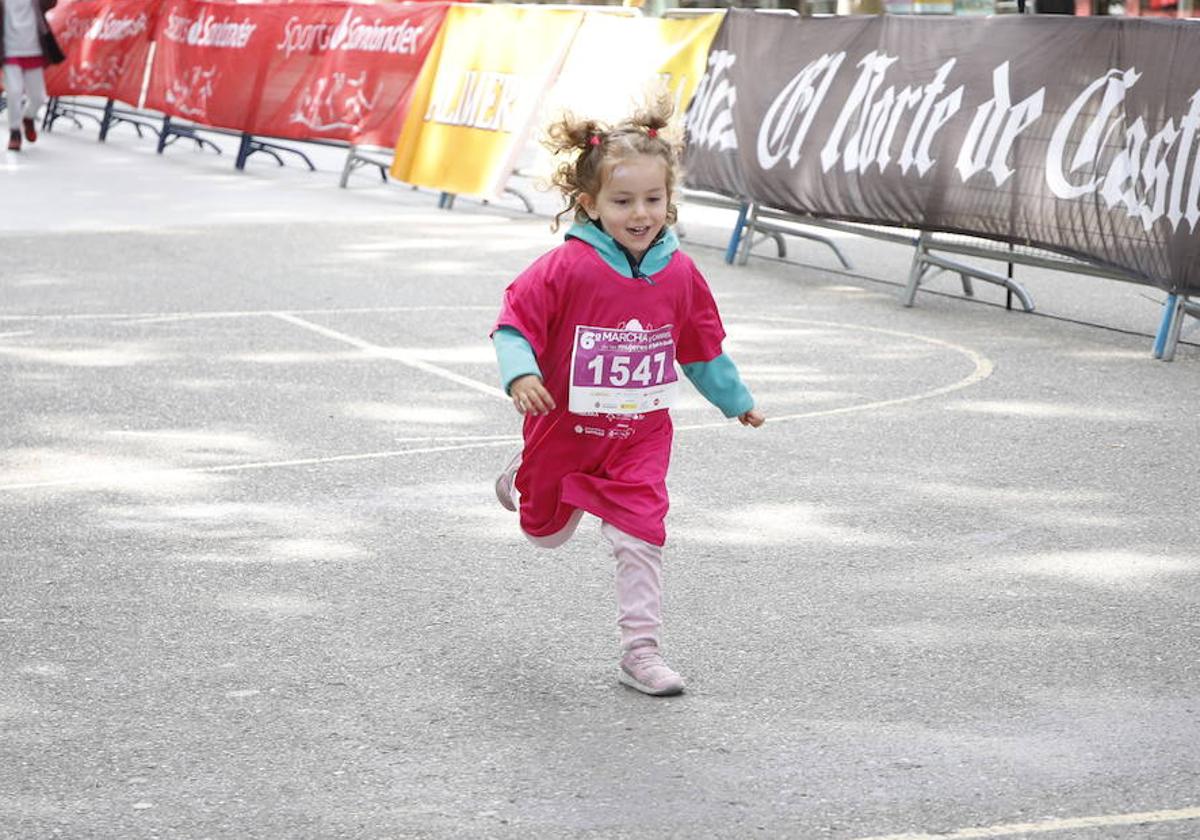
[983, 369]
[1102, 821]
[152, 317]
[477, 443]
[395, 355]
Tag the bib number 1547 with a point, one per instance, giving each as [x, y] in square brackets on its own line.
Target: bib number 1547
[622, 371]
[643, 370]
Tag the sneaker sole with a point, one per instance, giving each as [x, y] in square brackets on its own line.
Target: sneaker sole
[627, 679]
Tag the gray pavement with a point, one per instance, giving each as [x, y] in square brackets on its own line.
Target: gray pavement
[254, 584]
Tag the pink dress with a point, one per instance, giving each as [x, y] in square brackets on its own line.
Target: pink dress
[607, 347]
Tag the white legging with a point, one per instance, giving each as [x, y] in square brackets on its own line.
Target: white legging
[29, 85]
[639, 580]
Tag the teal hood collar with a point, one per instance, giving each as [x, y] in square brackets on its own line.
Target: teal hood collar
[618, 257]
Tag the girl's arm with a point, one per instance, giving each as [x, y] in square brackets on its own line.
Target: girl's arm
[519, 372]
[719, 382]
[515, 356]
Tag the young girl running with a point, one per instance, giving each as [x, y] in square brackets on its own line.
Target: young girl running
[587, 341]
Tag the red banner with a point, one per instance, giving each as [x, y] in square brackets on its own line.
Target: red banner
[106, 42]
[343, 71]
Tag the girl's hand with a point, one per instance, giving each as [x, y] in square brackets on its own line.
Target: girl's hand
[530, 396]
[753, 417]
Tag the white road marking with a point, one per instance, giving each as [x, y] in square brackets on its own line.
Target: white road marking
[1007, 830]
[394, 355]
[165, 317]
[983, 369]
[477, 443]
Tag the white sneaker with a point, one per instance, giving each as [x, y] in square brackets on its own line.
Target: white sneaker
[505, 489]
[643, 668]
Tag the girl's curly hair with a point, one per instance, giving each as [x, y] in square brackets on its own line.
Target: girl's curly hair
[594, 148]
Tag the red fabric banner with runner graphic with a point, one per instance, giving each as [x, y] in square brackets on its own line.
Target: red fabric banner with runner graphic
[106, 43]
[342, 71]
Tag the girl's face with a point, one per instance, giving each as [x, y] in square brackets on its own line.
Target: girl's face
[632, 202]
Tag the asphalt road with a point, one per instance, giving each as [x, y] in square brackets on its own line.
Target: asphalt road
[254, 584]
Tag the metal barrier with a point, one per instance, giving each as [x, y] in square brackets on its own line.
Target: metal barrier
[755, 224]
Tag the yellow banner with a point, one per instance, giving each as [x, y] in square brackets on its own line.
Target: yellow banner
[478, 93]
[615, 62]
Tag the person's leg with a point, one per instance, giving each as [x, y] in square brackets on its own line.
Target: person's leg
[556, 539]
[35, 96]
[639, 613]
[14, 92]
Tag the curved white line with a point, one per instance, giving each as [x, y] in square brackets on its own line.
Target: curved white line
[1009, 829]
[983, 369]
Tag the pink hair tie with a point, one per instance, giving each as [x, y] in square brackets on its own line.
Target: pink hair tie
[594, 140]
[652, 132]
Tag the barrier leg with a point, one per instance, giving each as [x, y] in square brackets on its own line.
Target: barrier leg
[243, 151]
[1164, 327]
[163, 134]
[736, 237]
[748, 234]
[917, 270]
[106, 122]
[1172, 341]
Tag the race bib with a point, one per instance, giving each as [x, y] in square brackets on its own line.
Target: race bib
[622, 371]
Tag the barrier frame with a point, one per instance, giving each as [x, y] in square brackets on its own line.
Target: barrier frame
[926, 263]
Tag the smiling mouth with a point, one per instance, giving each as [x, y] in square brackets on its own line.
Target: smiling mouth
[639, 231]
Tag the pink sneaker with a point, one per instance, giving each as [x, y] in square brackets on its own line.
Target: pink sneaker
[643, 668]
[504, 484]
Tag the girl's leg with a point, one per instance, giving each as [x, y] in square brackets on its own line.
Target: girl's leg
[14, 91]
[639, 613]
[639, 587]
[557, 539]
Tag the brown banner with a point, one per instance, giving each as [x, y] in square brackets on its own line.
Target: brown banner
[1075, 135]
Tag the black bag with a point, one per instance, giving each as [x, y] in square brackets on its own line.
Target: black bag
[51, 51]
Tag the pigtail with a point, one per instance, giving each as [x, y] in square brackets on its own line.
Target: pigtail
[582, 142]
[654, 117]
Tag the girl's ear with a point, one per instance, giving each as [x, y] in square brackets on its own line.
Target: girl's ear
[588, 203]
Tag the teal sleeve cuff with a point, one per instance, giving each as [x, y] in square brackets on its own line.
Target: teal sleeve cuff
[719, 382]
[515, 356]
